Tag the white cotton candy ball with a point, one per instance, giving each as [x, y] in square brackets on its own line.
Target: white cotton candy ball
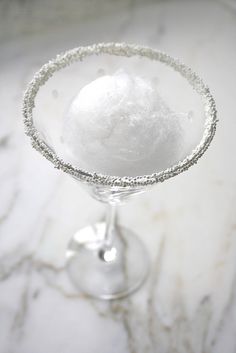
[119, 125]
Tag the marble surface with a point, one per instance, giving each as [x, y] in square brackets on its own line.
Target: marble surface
[188, 304]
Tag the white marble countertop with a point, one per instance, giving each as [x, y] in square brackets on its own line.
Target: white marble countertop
[188, 224]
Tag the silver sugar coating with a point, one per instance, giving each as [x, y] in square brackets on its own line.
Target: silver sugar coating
[128, 50]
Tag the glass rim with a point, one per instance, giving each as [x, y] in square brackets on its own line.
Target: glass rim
[128, 50]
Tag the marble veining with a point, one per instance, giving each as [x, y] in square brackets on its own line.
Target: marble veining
[188, 304]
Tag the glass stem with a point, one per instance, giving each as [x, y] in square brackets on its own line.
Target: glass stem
[110, 224]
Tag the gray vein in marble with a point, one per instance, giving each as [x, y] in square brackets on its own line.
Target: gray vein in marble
[229, 6]
[4, 141]
[17, 328]
[182, 328]
[9, 208]
[7, 271]
[231, 300]
[151, 296]
[25, 261]
[122, 308]
[28, 264]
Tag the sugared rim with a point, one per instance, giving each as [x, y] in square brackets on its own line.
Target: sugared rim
[121, 49]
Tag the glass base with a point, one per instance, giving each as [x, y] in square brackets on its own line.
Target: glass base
[107, 273]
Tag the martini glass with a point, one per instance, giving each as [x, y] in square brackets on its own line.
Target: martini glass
[106, 260]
